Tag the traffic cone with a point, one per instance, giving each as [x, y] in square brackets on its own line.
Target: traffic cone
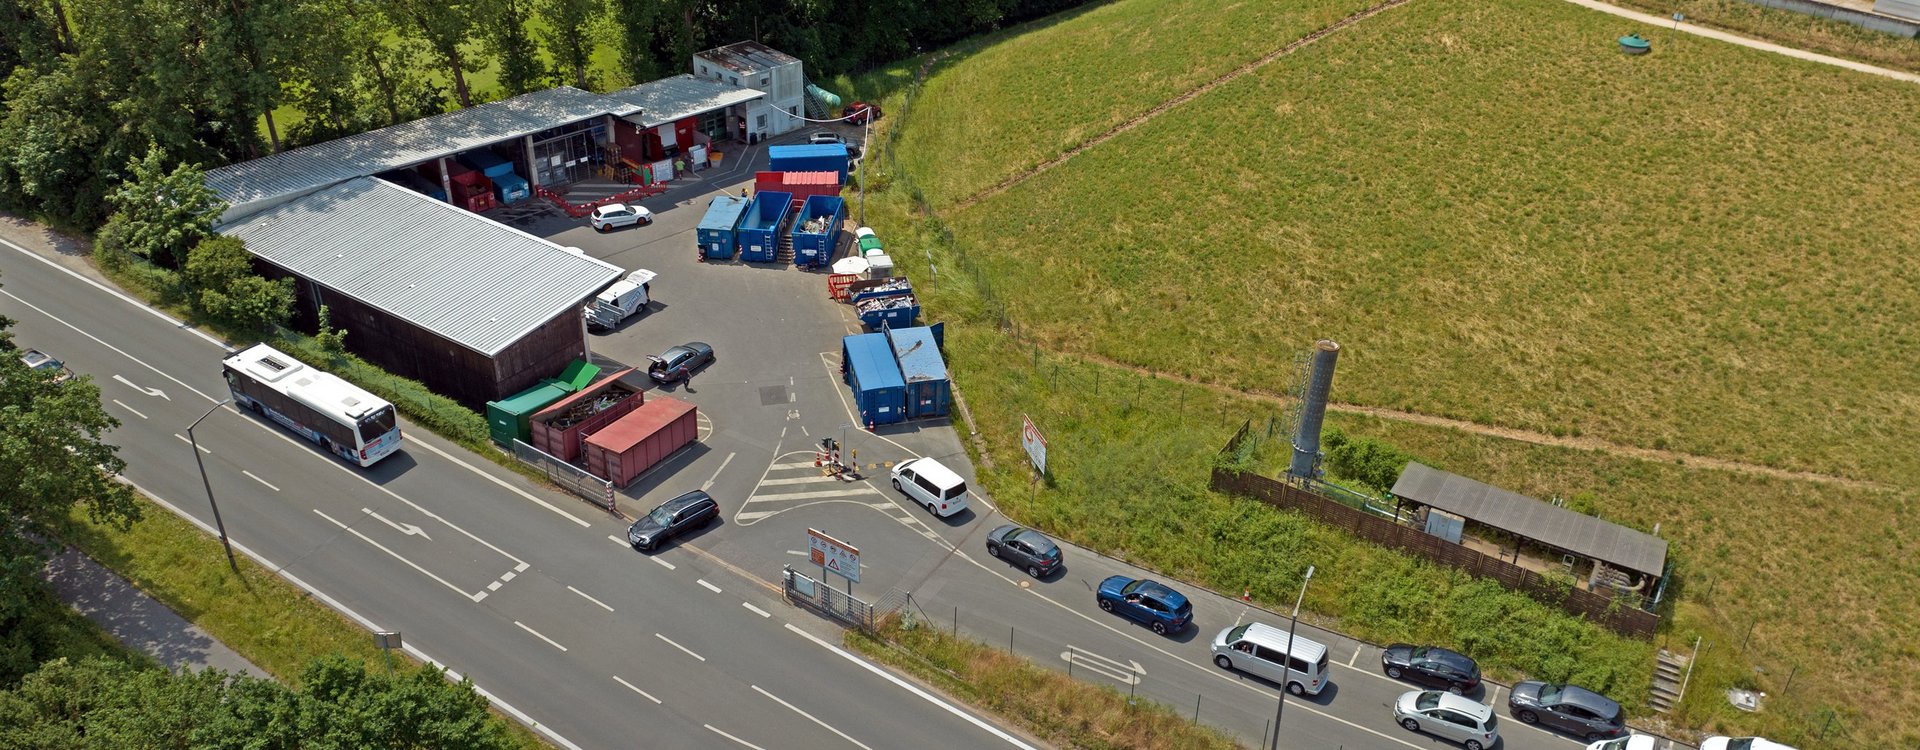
[1246, 595]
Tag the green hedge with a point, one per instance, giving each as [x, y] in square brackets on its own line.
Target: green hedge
[442, 415]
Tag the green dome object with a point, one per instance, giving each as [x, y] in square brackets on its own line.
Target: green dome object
[1634, 44]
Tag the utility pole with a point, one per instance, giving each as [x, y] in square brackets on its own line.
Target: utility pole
[1281, 707]
[231, 563]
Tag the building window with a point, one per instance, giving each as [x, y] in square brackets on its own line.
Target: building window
[760, 122]
[734, 79]
[764, 80]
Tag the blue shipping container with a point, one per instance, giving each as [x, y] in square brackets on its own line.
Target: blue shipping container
[716, 232]
[487, 163]
[929, 392]
[759, 231]
[815, 248]
[879, 395]
[511, 188]
[809, 157]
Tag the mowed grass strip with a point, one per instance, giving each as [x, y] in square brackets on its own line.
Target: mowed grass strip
[1007, 103]
[1504, 220]
[1058, 709]
[1799, 30]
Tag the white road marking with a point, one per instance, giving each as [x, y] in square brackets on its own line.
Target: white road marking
[756, 610]
[536, 634]
[618, 540]
[654, 558]
[743, 743]
[396, 556]
[911, 688]
[136, 412]
[98, 340]
[678, 646]
[803, 431]
[603, 605]
[710, 587]
[404, 528]
[495, 586]
[189, 441]
[1112, 668]
[123, 298]
[508, 576]
[1354, 658]
[798, 480]
[815, 719]
[643, 693]
[501, 482]
[795, 464]
[262, 481]
[148, 391]
[716, 472]
[328, 600]
[801, 553]
[852, 489]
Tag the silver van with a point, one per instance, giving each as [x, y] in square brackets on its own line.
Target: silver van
[1262, 651]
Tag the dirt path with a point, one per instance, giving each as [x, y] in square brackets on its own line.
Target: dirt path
[1162, 108]
[1509, 433]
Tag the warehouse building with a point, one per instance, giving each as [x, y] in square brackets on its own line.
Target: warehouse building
[474, 309]
[756, 66]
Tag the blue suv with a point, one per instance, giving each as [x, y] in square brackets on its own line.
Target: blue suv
[1161, 608]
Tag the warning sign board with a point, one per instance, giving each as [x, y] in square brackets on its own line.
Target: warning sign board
[835, 556]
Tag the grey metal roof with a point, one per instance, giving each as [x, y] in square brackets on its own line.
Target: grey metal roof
[682, 96]
[748, 57]
[472, 280]
[290, 173]
[1547, 524]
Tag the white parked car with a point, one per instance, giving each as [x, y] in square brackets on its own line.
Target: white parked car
[1741, 743]
[620, 215]
[1635, 742]
[825, 136]
[932, 485]
[1449, 717]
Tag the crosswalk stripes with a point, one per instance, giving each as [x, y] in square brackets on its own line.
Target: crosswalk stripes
[790, 484]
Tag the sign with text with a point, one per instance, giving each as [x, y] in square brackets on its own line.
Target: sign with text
[1036, 445]
[835, 556]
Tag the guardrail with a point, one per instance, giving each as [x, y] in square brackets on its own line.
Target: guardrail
[596, 490]
[820, 597]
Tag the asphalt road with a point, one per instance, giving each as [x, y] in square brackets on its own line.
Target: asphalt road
[532, 594]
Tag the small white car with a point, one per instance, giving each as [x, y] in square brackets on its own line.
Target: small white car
[620, 215]
[1449, 717]
[825, 136]
[1741, 743]
[1635, 742]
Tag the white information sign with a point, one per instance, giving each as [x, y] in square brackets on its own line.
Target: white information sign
[835, 556]
[1035, 444]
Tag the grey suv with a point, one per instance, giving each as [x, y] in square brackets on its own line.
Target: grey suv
[1026, 549]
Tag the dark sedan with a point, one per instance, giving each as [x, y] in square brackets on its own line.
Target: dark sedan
[1027, 549]
[677, 362]
[1161, 608]
[673, 518]
[1431, 666]
[1570, 708]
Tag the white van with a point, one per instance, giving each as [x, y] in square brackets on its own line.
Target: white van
[932, 485]
[1261, 650]
[619, 301]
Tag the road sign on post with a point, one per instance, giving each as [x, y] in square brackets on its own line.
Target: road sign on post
[833, 556]
[1036, 445]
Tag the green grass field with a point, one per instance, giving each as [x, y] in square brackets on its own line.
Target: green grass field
[1799, 30]
[1008, 103]
[1504, 221]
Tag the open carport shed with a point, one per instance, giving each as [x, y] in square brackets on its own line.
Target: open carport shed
[475, 309]
[1604, 542]
[704, 105]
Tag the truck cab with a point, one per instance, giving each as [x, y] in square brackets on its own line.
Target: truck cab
[619, 301]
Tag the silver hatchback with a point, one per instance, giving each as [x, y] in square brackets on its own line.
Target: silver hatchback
[1449, 717]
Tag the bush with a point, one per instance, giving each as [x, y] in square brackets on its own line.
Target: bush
[442, 415]
[1370, 462]
[222, 286]
[161, 215]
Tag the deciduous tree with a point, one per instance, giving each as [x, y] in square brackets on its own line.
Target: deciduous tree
[567, 30]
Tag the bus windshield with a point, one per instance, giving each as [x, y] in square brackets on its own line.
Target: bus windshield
[374, 425]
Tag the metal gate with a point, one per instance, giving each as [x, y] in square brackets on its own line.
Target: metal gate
[596, 490]
[821, 597]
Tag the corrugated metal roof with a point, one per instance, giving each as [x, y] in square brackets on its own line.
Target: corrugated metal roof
[682, 96]
[919, 357]
[871, 360]
[472, 280]
[303, 169]
[639, 424]
[748, 57]
[1548, 524]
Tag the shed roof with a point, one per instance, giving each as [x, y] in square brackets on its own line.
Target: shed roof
[1547, 524]
[917, 353]
[290, 173]
[748, 57]
[472, 280]
[723, 213]
[639, 424]
[677, 98]
[871, 359]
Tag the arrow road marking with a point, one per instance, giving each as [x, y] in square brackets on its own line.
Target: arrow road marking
[148, 391]
[396, 556]
[1112, 668]
[404, 528]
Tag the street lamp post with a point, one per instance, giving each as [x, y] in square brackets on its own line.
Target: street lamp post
[231, 563]
[1281, 707]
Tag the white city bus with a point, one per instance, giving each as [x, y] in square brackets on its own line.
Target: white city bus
[345, 420]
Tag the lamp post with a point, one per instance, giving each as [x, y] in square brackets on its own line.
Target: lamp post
[231, 563]
[1281, 707]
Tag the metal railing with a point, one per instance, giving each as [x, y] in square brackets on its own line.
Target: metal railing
[821, 597]
[596, 490]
